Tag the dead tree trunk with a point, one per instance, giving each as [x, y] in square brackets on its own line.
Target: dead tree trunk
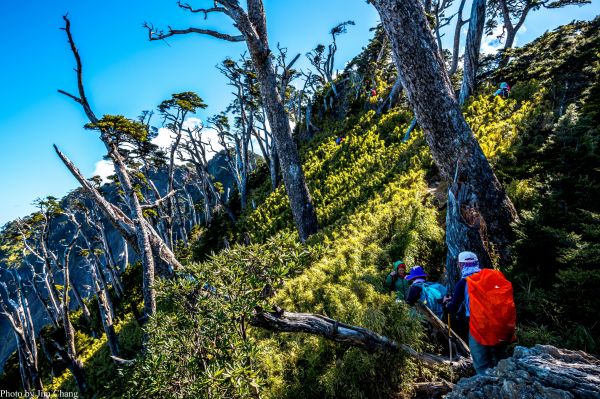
[510, 28]
[392, 97]
[291, 168]
[106, 313]
[75, 364]
[450, 139]
[147, 240]
[472, 46]
[80, 302]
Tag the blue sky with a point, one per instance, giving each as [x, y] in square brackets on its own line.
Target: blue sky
[124, 73]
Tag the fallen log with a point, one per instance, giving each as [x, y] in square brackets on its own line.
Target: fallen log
[282, 321]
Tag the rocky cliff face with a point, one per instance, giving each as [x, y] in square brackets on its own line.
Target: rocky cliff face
[541, 372]
[78, 270]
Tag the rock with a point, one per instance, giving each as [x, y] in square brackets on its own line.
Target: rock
[541, 372]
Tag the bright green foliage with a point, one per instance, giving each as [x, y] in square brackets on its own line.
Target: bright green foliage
[120, 128]
[186, 101]
[558, 244]
[497, 123]
[370, 193]
[340, 177]
[373, 207]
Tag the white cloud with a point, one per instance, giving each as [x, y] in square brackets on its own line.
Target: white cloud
[192, 122]
[164, 138]
[104, 169]
[491, 44]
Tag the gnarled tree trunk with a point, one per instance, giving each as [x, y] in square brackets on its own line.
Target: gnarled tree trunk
[450, 139]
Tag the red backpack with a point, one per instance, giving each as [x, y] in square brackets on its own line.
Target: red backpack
[492, 308]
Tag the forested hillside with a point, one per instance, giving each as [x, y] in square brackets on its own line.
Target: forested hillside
[261, 273]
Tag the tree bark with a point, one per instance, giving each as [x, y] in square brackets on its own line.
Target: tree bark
[18, 314]
[392, 97]
[303, 210]
[140, 225]
[81, 303]
[472, 46]
[105, 314]
[510, 28]
[450, 139]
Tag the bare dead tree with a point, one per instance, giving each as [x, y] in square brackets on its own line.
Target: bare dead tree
[237, 152]
[282, 321]
[323, 62]
[195, 149]
[439, 10]
[35, 236]
[75, 364]
[236, 139]
[104, 304]
[56, 259]
[93, 219]
[14, 306]
[251, 24]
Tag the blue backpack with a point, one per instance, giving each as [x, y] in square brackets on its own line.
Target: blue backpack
[432, 295]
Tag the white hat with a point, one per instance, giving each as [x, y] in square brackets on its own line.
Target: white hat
[467, 257]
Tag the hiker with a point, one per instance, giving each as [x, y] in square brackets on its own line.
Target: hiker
[340, 140]
[487, 297]
[373, 93]
[503, 91]
[395, 280]
[429, 293]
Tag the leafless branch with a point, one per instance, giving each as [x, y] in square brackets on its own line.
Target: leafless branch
[159, 201]
[161, 35]
[82, 99]
[206, 11]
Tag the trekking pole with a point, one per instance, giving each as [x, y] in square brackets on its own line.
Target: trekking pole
[450, 347]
